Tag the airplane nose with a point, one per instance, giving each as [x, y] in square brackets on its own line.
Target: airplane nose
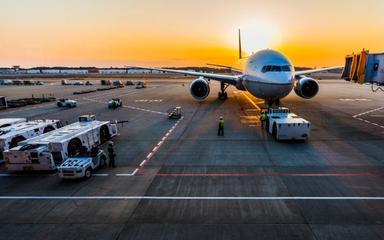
[288, 78]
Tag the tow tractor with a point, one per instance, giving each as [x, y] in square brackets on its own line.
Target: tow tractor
[174, 113]
[115, 103]
[284, 125]
[65, 102]
[82, 166]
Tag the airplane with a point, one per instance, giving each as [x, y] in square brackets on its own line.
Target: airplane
[267, 75]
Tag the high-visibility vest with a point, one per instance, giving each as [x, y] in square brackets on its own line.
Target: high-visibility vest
[221, 123]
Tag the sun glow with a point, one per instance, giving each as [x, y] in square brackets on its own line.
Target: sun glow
[258, 35]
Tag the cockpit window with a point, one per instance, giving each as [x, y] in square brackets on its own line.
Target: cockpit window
[276, 68]
[286, 68]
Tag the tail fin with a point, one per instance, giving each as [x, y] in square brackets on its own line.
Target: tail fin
[240, 55]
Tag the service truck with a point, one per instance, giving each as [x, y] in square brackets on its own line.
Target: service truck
[12, 135]
[82, 166]
[49, 150]
[284, 125]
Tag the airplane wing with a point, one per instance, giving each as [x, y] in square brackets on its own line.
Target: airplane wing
[316, 70]
[230, 79]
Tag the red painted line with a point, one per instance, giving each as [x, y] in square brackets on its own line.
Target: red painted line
[266, 174]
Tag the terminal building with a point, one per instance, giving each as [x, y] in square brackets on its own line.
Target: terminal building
[364, 67]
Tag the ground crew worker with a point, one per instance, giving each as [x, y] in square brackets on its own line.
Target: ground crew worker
[220, 132]
[263, 118]
[111, 154]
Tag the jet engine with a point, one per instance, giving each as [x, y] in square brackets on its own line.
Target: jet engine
[306, 87]
[200, 88]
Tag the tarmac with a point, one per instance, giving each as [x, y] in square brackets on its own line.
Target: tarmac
[176, 179]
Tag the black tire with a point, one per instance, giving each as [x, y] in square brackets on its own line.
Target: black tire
[15, 141]
[48, 129]
[74, 147]
[88, 173]
[59, 104]
[274, 131]
[104, 134]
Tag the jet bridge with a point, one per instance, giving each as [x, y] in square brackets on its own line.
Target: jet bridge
[364, 68]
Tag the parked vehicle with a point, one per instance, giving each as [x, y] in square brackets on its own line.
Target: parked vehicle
[105, 82]
[28, 82]
[3, 102]
[6, 82]
[141, 84]
[82, 166]
[40, 83]
[10, 136]
[65, 102]
[17, 82]
[118, 83]
[88, 83]
[65, 82]
[129, 83]
[78, 83]
[115, 103]
[48, 151]
[174, 113]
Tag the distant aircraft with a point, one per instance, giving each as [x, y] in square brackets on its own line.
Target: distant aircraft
[267, 74]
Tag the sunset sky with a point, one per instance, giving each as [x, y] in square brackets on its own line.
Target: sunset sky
[106, 33]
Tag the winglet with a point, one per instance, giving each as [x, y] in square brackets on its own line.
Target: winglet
[240, 55]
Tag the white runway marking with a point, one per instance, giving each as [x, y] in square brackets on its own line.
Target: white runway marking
[126, 106]
[355, 99]
[127, 174]
[358, 117]
[100, 174]
[158, 145]
[228, 198]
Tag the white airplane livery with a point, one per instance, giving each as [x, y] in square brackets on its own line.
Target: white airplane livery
[267, 74]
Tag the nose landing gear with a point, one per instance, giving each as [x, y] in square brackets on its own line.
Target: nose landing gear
[273, 102]
[223, 94]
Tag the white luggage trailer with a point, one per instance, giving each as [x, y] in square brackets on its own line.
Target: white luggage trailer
[284, 125]
[6, 122]
[48, 151]
[12, 135]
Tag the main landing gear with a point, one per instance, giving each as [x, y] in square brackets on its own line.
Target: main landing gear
[223, 94]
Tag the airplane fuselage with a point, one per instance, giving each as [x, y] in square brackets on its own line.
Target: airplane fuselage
[268, 75]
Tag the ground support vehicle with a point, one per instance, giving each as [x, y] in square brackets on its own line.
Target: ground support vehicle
[82, 166]
[65, 102]
[49, 150]
[284, 125]
[12, 135]
[115, 103]
[141, 84]
[174, 113]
